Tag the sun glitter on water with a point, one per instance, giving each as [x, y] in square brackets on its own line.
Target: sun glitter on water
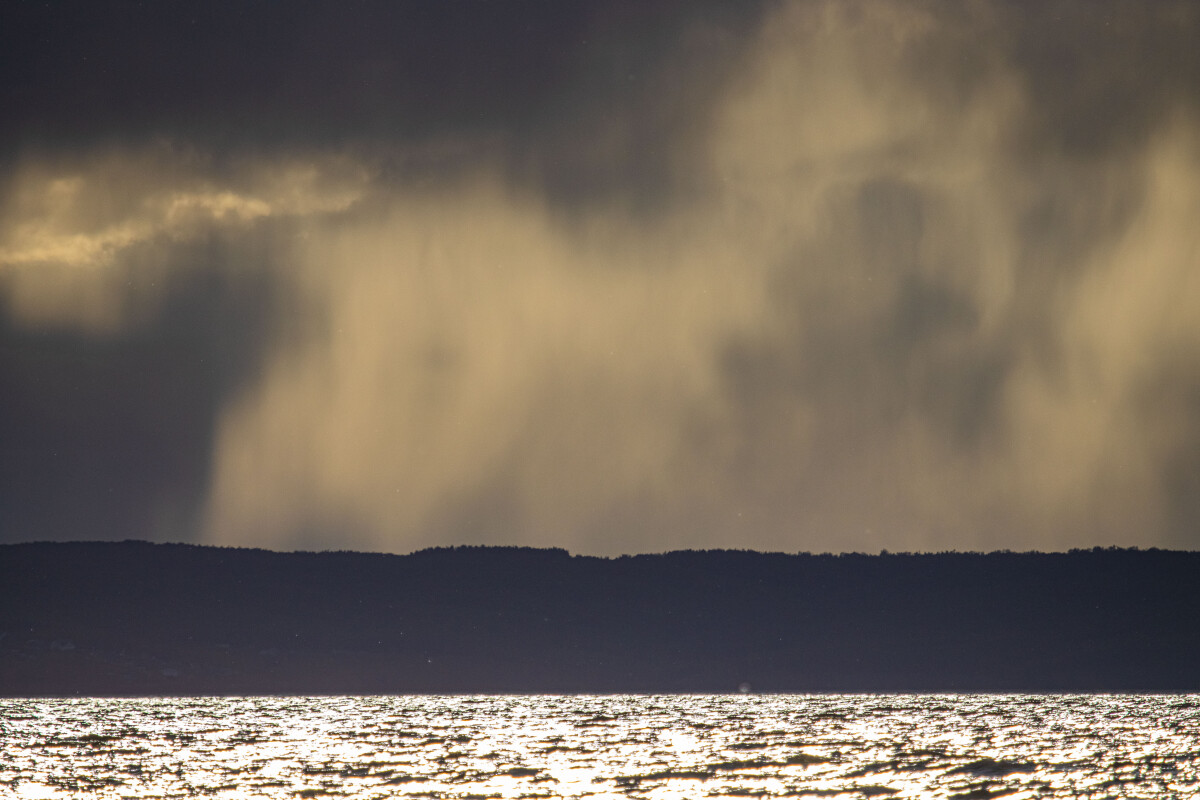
[686, 746]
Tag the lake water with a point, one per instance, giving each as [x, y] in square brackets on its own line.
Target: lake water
[689, 746]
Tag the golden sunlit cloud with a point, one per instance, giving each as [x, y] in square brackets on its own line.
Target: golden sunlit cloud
[469, 341]
[1094, 429]
[69, 231]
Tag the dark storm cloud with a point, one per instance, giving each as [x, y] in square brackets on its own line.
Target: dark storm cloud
[253, 72]
[578, 94]
[110, 436]
[807, 275]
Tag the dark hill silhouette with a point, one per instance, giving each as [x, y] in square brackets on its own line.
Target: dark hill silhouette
[134, 618]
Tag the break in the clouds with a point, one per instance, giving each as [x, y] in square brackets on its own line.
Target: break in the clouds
[817, 276]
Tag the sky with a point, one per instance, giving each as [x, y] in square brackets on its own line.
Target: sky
[617, 277]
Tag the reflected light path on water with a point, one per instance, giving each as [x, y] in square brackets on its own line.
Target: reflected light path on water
[967, 747]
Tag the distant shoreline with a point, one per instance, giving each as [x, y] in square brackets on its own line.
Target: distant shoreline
[133, 619]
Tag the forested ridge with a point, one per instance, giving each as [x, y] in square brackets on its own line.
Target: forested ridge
[133, 618]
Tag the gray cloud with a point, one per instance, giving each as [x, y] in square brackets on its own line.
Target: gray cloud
[1102, 78]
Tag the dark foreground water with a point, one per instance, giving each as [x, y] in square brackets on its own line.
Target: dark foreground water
[689, 746]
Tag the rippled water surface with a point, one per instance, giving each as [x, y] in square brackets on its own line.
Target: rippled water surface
[961, 746]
